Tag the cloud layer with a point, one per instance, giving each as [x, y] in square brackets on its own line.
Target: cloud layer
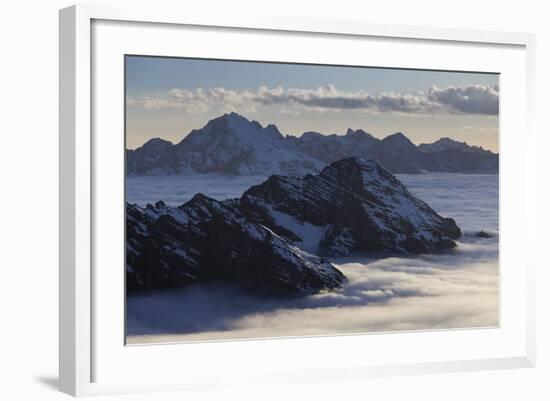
[471, 99]
[438, 292]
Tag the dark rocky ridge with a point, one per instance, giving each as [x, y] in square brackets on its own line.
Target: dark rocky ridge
[267, 240]
[353, 205]
[206, 240]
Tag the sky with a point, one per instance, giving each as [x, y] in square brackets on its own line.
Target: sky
[169, 97]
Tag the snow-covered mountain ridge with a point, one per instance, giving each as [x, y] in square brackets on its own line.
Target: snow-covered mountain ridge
[234, 145]
[275, 237]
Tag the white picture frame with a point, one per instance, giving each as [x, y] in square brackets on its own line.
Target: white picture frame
[78, 164]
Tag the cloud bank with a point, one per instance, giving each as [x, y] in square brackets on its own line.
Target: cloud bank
[438, 292]
[471, 99]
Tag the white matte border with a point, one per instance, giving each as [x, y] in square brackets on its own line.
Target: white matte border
[114, 363]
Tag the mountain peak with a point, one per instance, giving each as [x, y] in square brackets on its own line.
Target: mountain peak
[234, 116]
[358, 134]
[398, 139]
[228, 122]
[202, 203]
[273, 130]
[355, 161]
[345, 207]
[226, 118]
[310, 134]
[397, 136]
[446, 143]
[447, 140]
[157, 142]
[230, 117]
[237, 121]
[235, 145]
[344, 167]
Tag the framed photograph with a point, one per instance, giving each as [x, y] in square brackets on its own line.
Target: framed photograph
[266, 200]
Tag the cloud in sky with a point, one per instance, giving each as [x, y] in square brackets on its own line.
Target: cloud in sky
[471, 99]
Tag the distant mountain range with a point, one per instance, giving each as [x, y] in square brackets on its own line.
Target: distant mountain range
[234, 145]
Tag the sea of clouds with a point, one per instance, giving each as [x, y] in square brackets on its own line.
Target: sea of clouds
[455, 289]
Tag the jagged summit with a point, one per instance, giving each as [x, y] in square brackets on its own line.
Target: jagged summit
[234, 114]
[446, 143]
[233, 145]
[370, 169]
[353, 205]
[237, 121]
[359, 134]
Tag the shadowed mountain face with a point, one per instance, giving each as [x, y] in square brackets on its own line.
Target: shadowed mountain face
[398, 154]
[233, 145]
[353, 205]
[268, 239]
[155, 156]
[329, 148]
[445, 144]
[206, 240]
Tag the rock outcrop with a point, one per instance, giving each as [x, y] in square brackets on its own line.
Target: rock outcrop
[205, 240]
[353, 205]
[275, 237]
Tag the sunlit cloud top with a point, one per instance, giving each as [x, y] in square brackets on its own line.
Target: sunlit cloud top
[471, 99]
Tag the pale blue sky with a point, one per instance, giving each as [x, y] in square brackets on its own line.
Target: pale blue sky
[154, 111]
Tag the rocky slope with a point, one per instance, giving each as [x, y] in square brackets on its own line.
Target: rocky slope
[267, 240]
[353, 205]
[206, 240]
[398, 154]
